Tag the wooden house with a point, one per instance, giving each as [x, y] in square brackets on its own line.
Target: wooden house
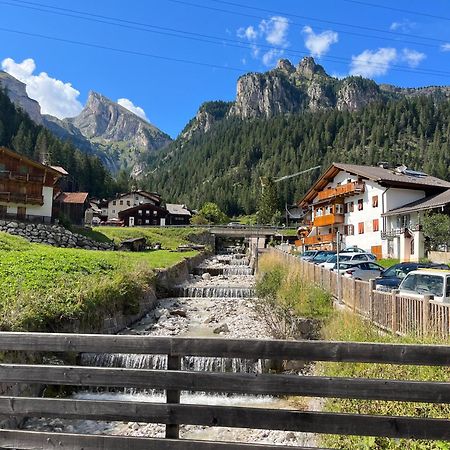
[26, 187]
[145, 214]
[72, 205]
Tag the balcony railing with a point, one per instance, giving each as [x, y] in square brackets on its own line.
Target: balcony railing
[344, 190]
[328, 219]
[11, 197]
[17, 176]
[319, 239]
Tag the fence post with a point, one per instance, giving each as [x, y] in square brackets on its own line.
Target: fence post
[372, 287]
[173, 396]
[394, 311]
[353, 294]
[426, 315]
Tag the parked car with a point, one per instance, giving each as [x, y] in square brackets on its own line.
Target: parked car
[422, 282]
[392, 277]
[308, 255]
[347, 257]
[361, 271]
[353, 249]
[321, 256]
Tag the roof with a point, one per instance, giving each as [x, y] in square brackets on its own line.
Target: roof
[177, 210]
[73, 197]
[150, 195]
[426, 203]
[385, 177]
[29, 161]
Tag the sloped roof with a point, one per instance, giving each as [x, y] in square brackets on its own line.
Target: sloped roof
[426, 203]
[385, 177]
[73, 197]
[177, 210]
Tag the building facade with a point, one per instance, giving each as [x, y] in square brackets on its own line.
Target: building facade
[26, 187]
[146, 214]
[355, 200]
[178, 214]
[72, 205]
[129, 200]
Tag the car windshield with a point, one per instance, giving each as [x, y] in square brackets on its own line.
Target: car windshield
[321, 257]
[423, 284]
[308, 253]
[398, 271]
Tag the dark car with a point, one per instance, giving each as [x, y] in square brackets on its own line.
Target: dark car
[308, 255]
[321, 256]
[392, 277]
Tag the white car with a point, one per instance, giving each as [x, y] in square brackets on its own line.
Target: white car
[422, 282]
[361, 270]
[347, 257]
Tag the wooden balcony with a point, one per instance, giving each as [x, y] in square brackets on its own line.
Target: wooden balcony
[320, 239]
[345, 190]
[328, 219]
[11, 197]
[24, 177]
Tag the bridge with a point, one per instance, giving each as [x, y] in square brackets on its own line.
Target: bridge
[173, 380]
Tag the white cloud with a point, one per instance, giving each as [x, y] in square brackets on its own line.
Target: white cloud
[275, 30]
[412, 57]
[55, 97]
[372, 63]
[319, 44]
[249, 33]
[270, 57]
[128, 104]
[445, 47]
[404, 25]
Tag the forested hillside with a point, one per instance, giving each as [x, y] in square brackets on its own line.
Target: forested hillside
[224, 164]
[21, 134]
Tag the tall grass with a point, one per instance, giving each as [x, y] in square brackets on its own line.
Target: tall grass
[284, 296]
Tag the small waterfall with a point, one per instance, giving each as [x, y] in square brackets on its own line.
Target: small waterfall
[238, 270]
[217, 291]
[239, 261]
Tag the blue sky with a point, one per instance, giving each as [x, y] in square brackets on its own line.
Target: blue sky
[345, 36]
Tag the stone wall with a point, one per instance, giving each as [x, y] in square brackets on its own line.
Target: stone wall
[51, 235]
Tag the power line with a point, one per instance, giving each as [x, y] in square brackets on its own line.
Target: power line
[315, 19]
[201, 37]
[392, 8]
[119, 50]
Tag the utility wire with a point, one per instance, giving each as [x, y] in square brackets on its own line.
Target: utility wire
[330, 22]
[201, 37]
[392, 8]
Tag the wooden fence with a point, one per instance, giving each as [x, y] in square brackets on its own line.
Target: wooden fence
[174, 380]
[390, 311]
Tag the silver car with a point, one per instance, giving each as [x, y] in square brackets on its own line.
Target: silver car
[361, 270]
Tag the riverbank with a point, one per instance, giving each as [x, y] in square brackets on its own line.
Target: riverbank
[44, 288]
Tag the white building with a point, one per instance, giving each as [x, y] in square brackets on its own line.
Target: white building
[129, 200]
[359, 202]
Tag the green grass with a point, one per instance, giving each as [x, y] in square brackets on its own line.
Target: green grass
[170, 238]
[42, 285]
[348, 327]
[387, 262]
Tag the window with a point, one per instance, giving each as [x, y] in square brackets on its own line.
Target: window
[3, 210]
[114, 203]
[339, 208]
[345, 208]
[360, 204]
[375, 201]
[2, 167]
[349, 230]
[114, 211]
[147, 221]
[140, 212]
[121, 202]
[376, 225]
[351, 207]
[155, 213]
[361, 228]
[147, 212]
[128, 203]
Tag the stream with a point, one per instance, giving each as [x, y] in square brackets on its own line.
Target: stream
[216, 301]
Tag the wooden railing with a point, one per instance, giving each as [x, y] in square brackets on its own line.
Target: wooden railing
[328, 219]
[174, 380]
[389, 311]
[319, 239]
[12, 197]
[344, 190]
[17, 176]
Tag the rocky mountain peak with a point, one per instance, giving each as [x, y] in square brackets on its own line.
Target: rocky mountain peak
[17, 92]
[285, 65]
[307, 68]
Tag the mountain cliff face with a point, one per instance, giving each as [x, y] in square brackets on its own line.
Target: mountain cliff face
[16, 91]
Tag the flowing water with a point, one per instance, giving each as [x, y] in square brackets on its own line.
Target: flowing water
[217, 300]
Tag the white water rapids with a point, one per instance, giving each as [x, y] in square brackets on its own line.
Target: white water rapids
[219, 305]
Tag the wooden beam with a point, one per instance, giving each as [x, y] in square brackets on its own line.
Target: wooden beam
[25, 440]
[252, 384]
[433, 355]
[236, 417]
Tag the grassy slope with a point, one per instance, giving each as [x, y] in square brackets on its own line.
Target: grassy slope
[39, 285]
[170, 238]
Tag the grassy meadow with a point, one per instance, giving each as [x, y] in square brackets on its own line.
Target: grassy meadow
[40, 285]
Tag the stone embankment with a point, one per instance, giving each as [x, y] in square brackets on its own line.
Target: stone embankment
[52, 235]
